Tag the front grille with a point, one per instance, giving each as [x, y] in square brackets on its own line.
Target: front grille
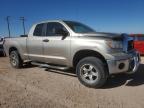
[131, 65]
[130, 45]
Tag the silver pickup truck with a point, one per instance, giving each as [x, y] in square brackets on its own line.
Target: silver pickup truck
[64, 44]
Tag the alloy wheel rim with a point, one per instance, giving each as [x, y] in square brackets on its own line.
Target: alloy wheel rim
[13, 60]
[89, 73]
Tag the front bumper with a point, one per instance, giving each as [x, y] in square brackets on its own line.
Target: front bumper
[127, 63]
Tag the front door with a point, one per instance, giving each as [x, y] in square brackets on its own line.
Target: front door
[56, 47]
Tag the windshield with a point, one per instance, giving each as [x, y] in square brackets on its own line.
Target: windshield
[79, 27]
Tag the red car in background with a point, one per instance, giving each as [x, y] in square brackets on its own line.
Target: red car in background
[139, 42]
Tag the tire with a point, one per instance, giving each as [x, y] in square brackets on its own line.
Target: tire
[91, 72]
[15, 60]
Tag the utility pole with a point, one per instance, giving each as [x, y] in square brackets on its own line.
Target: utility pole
[23, 23]
[8, 24]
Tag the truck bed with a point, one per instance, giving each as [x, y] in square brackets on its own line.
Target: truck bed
[19, 42]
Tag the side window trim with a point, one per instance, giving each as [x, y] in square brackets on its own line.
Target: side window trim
[44, 30]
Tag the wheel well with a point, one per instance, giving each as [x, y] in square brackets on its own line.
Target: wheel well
[12, 49]
[86, 53]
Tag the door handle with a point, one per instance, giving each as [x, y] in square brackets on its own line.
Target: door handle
[45, 40]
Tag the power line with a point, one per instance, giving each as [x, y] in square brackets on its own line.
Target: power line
[8, 24]
[23, 23]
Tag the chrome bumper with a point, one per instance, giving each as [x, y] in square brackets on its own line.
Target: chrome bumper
[126, 65]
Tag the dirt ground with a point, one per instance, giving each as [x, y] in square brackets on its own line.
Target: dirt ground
[34, 87]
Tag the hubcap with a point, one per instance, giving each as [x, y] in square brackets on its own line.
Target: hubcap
[89, 73]
[13, 59]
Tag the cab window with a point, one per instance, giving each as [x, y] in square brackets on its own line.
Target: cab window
[53, 27]
[39, 30]
[139, 38]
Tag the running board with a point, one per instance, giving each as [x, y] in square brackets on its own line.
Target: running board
[42, 65]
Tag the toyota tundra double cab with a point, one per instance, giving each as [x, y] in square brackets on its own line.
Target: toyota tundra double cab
[68, 44]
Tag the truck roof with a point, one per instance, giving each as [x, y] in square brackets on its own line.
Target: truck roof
[54, 21]
[51, 21]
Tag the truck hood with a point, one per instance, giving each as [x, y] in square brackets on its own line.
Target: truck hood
[103, 35]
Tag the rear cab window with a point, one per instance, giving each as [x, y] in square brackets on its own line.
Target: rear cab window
[139, 38]
[39, 30]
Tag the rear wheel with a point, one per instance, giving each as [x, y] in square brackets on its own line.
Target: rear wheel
[91, 72]
[15, 59]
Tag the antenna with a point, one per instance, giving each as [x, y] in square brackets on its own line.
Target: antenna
[8, 24]
[23, 23]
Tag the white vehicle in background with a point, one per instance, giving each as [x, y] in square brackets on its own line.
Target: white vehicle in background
[2, 52]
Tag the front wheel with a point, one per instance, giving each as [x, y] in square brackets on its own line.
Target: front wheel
[91, 72]
[15, 60]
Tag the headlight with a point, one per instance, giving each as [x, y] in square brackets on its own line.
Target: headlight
[114, 44]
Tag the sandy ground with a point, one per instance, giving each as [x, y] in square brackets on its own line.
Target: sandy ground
[34, 87]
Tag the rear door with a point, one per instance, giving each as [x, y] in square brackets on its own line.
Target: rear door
[35, 43]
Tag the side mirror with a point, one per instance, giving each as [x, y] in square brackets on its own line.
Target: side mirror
[62, 32]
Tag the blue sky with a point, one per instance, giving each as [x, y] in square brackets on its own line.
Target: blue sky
[122, 16]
